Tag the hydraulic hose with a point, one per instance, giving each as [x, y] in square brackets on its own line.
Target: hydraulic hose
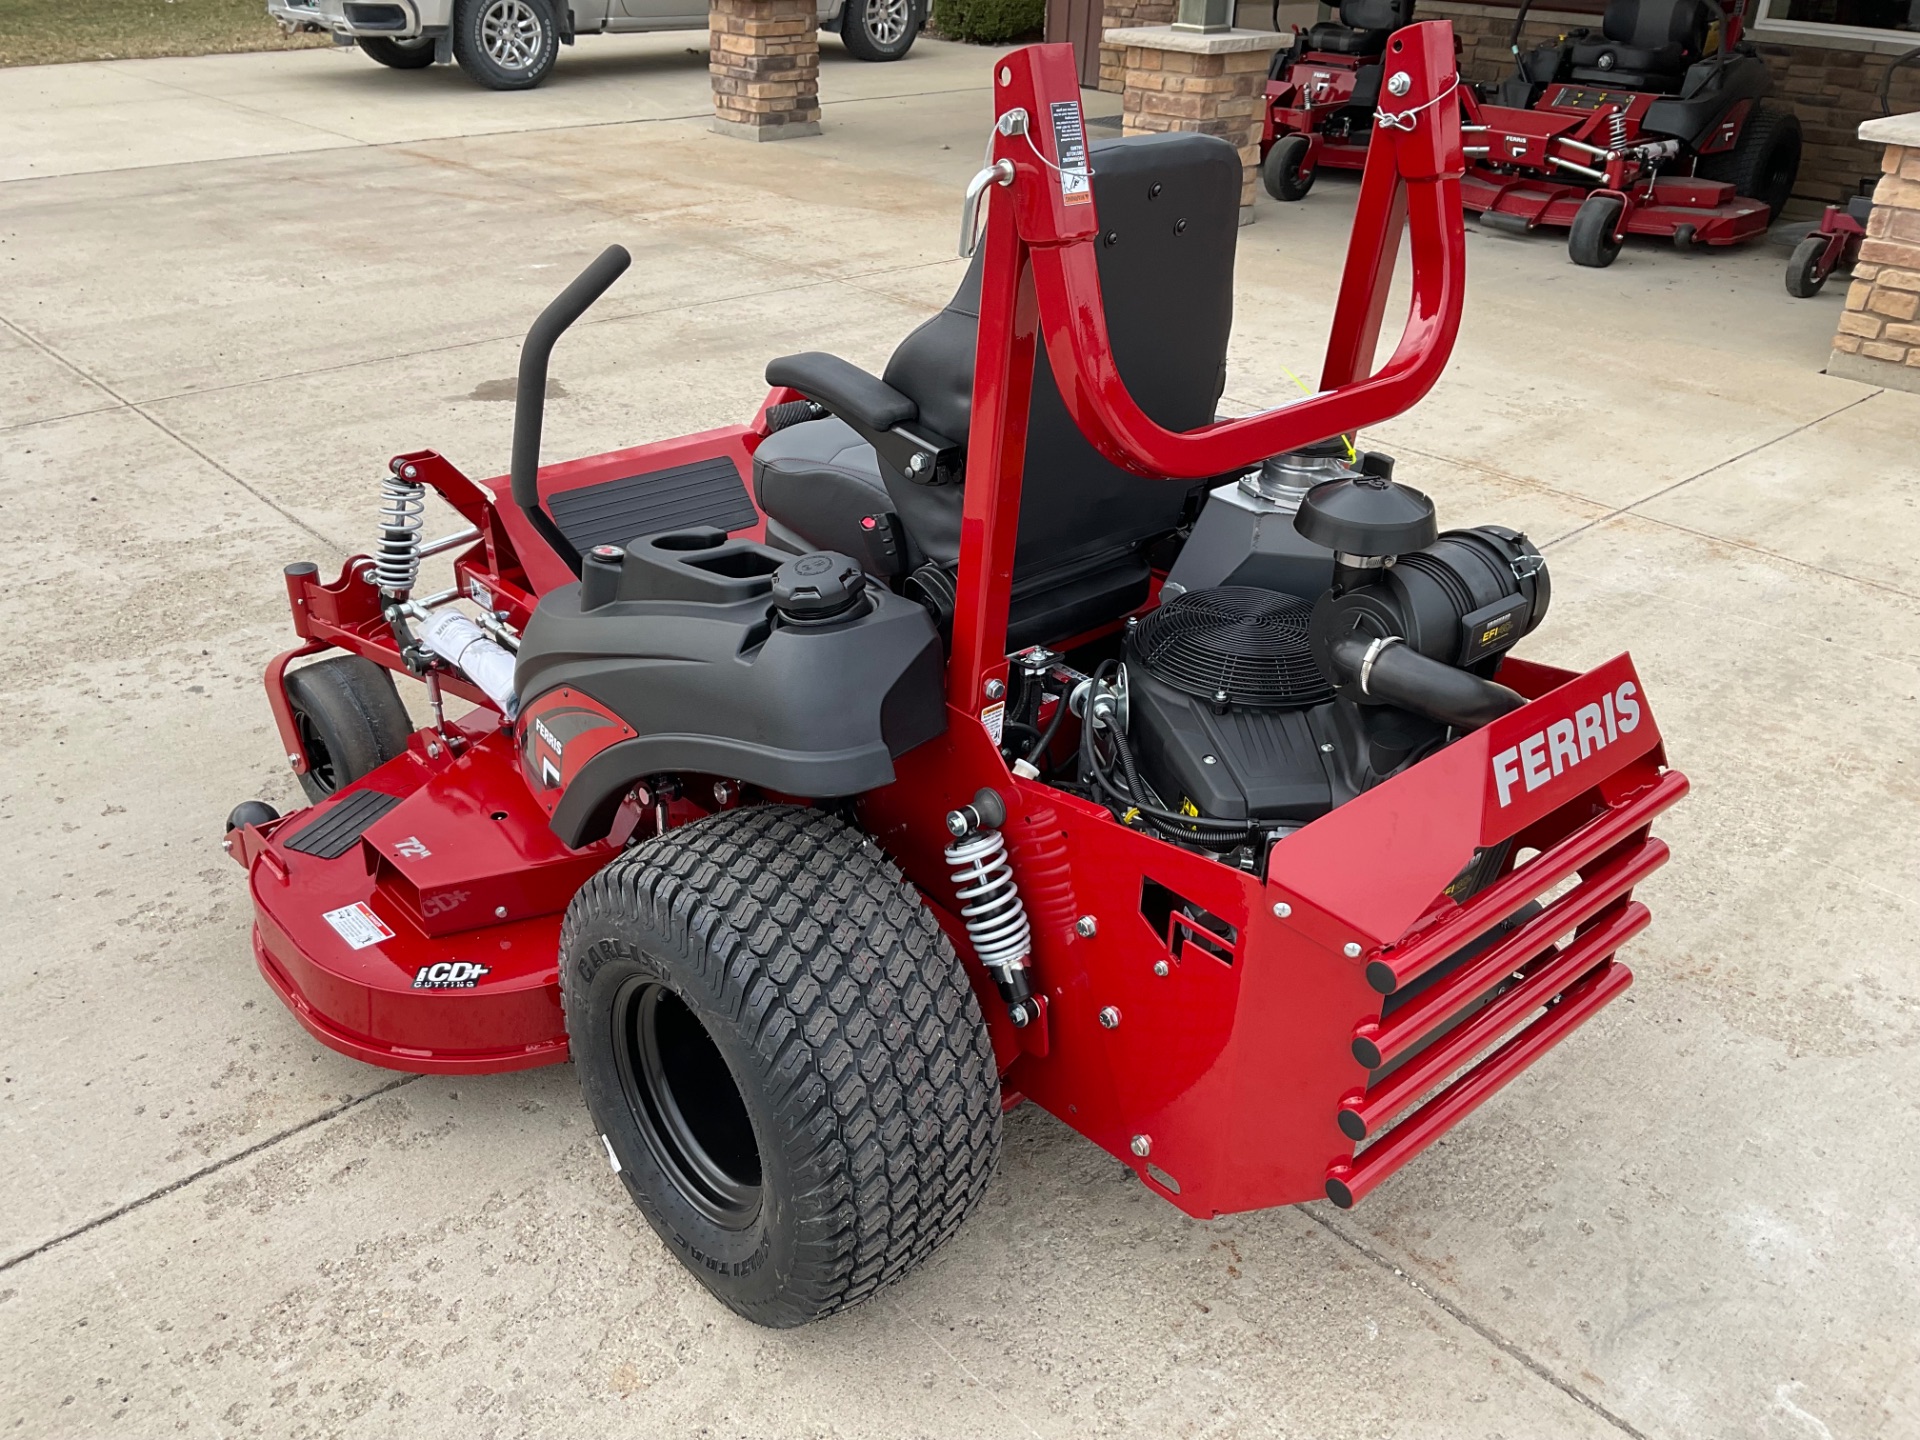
[1395, 674]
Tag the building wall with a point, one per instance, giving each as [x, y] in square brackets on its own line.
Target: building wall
[1831, 89]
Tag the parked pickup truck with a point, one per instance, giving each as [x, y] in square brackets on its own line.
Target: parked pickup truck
[511, 44]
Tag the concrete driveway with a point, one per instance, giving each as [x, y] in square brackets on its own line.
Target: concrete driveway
[231, 287]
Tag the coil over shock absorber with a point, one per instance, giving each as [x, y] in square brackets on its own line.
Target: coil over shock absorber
[403, 505]
[990, 905]
[1617, 128]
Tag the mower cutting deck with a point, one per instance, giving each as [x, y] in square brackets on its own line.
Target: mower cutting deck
[1023, 732]
[1635, 131]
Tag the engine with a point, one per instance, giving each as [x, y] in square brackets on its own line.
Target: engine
[1238, 712]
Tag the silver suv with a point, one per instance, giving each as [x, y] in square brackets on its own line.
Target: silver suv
[512, 44]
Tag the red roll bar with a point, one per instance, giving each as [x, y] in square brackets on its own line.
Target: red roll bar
[1041, 277]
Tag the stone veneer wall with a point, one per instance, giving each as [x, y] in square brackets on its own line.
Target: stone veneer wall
[1882, 318]
[764, 57]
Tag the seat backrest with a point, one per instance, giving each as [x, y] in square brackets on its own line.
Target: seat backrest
[1376, 14]
[1650, 24]
[1169, 209]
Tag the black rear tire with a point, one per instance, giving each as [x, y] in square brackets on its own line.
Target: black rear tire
[506, 44]
[1804, 277]
[1280, 171]
[879, 29]
[1591, 241]
[350, 719]
[414, 54]
[783, 1054]
[1764, 161]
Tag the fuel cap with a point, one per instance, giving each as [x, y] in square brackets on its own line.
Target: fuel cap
[822, 586]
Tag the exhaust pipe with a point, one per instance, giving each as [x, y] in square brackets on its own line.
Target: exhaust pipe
[530, 395]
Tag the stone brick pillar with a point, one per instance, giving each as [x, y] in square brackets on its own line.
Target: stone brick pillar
[1127, 15]
[764, 56]
[1879, 337]
[1213, 84]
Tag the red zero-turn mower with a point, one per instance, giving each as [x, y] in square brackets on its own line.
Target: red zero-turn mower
[1033, 735]
[1635, 131]
[1321, 94]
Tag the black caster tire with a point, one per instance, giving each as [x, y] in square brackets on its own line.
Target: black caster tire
[414, 54]
[1280, 171]
[783, 1056]
[1764, 161]
[1804, 276]
[1591, 241]
[350, 719]
[251, 812]
[879, 29]
[506, 44]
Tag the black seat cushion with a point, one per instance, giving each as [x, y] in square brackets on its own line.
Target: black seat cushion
[1363, 27]
[1170, 205]
[818, 478]
[1643, 44]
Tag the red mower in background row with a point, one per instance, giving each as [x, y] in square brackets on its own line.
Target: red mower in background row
[1024, 733]
[1834, 244]
[1322, 93]
[1649, 128]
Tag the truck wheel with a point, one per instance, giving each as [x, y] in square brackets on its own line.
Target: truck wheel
[1280, 171]
[1764, 161]
[1591, 241]
[1804, 275]
[879, 29]
[414, 54]
[350, 719]
[783, 1056]
[506, 44]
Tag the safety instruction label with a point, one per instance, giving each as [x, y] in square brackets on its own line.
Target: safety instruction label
[994, 717]
[358, 925]
[1070, 144]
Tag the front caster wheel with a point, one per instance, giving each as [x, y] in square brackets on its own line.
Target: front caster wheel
[349, 719]
[1804, 275]
[1593, 241]
[783, 1056]
[1280, 171]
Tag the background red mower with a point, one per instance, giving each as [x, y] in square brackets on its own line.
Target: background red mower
[1321, 94]
[823, 822]
[1645, 129]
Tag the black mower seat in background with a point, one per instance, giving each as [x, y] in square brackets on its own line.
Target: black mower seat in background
[1170, 211]
[1363, 27]
[1644, 44]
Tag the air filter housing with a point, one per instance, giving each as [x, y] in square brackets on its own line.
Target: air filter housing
[1233, 646]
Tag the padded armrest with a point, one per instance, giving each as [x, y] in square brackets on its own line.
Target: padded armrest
[862, 400]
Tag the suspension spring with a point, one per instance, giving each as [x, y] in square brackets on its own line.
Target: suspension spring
[991, 909]
[403, 503]
[1617, 128]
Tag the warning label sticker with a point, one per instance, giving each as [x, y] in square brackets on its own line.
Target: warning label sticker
[994, 717]
[358, 925]
[1070, 144]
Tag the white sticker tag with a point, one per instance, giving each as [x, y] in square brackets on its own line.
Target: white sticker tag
[1070, 144]
[358, 925]
[994, 717]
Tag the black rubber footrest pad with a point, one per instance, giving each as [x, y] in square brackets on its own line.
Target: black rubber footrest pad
[705, 492]
[336, 832]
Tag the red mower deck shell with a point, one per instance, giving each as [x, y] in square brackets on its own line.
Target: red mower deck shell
[1522, 159]
[1258, 1069]
[1313, 90]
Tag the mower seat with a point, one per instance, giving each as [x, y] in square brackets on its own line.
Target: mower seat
[1169, 209]
[1363, 27]
[1644, 44]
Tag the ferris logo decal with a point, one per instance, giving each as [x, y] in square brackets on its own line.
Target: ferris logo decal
[553, 740]
[1565, 743]
[449, 975]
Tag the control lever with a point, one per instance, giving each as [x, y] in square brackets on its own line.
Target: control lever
[998, 173]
